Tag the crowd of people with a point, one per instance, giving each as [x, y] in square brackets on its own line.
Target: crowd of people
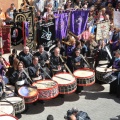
[76, 53]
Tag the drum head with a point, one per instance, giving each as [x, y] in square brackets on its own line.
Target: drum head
[27, 91]
[7, 117]
[6, 108]
[102, 69]
[46, 84]
[10, 87]
[63, 78]
[83, 73]
[13, 99]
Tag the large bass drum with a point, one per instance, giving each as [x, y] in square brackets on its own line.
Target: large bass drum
[85, 77]
[104, 76]
[17, 102]
[7, 117]
[47, 89]
[66, 82]
[29, 94]
[6, 108]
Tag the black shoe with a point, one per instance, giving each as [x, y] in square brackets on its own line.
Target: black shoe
[61, 95]
[42, 102]
[34, 103]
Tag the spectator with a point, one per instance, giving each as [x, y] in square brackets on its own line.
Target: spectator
[2, 16]
[9, 14]
[39, 5]
[49, 12]
[50, 117]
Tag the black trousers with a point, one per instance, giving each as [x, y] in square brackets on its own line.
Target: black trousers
[113, 87]
[79, 89]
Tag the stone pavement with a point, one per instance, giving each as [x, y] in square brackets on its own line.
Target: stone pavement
[95, 100]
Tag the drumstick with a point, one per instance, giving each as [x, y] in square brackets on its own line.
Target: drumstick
[66, 66]
[62, 78]
[11, 90]
[45, 84]
[110, 68]
[85, 60]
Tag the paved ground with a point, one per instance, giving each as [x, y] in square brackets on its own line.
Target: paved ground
[95, 100]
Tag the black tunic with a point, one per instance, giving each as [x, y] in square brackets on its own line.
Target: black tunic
[43, 57]
[33, 70]
[77, 62]
[11, 59]
[25, 58]
[55, 62]
[15, 76]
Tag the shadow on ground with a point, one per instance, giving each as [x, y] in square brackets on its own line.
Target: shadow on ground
[34, 109]
[117, 118]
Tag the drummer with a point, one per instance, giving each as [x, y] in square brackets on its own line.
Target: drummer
[56, 65]
[101, 53]
[115, 63]
[42, 56]
[25, 57]
[19, 77]
[2, 87]
[44, 59]
[35, 71]
[77, 63]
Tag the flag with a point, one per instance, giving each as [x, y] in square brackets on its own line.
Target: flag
[78, 21]
[116, 19]
[6, 39]
[17, 34]
[61, 24]
[46, 33]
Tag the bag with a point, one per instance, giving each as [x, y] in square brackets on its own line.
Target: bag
[82, 116]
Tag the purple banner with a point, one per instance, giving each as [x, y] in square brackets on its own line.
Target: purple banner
[61, 24]
[78, 21]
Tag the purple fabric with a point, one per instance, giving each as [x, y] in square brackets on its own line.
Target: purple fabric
[78, 21]
[61, 24]
[116, 64]
[70, 50]
[26, 29]
[115, 47]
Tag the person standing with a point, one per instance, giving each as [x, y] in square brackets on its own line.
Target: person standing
[115, 63]
[39, 5]
[9, 14]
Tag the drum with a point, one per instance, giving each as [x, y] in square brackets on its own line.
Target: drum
[103, 62]
[9, 90]
[17, 102]
[47, 89]
[29, 94]
[85, 77]
[6, 108]
[105, 76]
[7, 117]
[66, 82]
[100, 72]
